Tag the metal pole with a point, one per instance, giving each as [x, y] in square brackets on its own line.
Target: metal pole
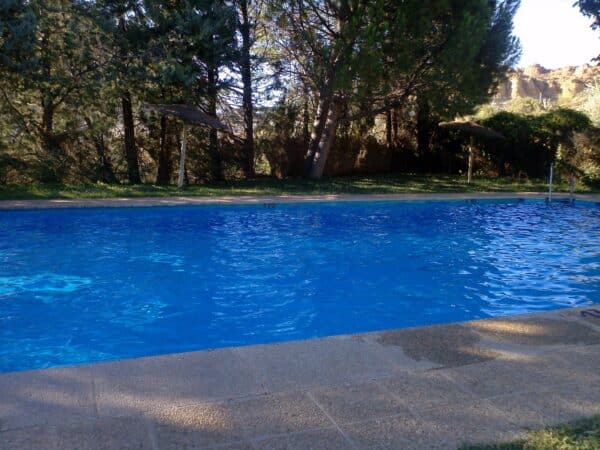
[571, 187]
[470, 165]
[181, 179]
[470, 161]
[550, 182]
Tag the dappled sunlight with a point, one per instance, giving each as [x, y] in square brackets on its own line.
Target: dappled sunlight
[508, 327]
[536, 331]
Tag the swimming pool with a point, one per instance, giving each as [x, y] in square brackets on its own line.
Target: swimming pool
[83, 285]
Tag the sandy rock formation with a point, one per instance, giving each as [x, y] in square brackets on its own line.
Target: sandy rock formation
[537, 82]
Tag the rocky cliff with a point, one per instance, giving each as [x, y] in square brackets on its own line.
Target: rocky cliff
[540, 83]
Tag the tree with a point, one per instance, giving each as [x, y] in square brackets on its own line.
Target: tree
[50, 52]
[533, 142]
[363, 58]
[590, 8]
[245, 27]
[125, 25]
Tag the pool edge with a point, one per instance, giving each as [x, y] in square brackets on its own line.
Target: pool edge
[259, 199]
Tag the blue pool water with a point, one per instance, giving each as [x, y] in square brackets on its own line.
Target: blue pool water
[82, 285]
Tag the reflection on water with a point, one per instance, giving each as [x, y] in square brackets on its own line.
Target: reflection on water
[42, 283]
[87, 285]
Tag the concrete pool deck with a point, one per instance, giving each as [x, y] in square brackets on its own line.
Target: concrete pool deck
[267, 199]
[427, 387]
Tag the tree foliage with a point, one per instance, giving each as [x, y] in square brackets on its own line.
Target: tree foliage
[335, 84]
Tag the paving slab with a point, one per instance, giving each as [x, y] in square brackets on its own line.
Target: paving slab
[552, 407]
[323, 362]
[195, 426]
[590, 315]
[535, 331]
[325, 439]
[30, 438]
[525, 409]
[105, 434]
[447, 345]
[400, 432]
[275, 414]
[426, 389]
[499, 377]
[573, 365]
[46, 397]
[135, 386]
[357, 402]
[470, 422]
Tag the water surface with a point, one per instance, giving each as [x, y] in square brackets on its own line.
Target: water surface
[83, 285]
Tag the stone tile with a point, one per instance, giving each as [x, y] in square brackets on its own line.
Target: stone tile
[242, 445]
[32, 438]
[574, 365]
[527, 410]
[426, 389]
[52, 396]
[535, 331]
[399, 433]
[107, 433]
[588, 314]
[502, 377]
[549, 408]
[445, 345]
[325, 439]
[267, 415]
[134, 386]
[195, 426]
[358, 402]
[303, 364]
[574, 402]
[470, 423]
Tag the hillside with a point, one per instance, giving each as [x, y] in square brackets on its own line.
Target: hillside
[543, 84]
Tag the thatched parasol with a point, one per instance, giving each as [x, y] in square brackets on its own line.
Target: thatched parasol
[188, 115]
[472, 129]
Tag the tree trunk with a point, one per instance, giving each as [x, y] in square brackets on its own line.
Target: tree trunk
[246, 69]
[216, 170]
[423, 135]
[163, 173]
[324, 144]
[388, 128]
[317, 132]
[305, 119]
[133, 169]
[47, 131]
[181, 179]
[107, 173]
[470, 165]
[470, 161]
[395, 126]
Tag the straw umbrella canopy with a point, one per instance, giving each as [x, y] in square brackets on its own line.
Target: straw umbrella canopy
[189, 115]
[472, 129]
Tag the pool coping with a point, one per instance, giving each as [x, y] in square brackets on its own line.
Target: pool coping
[262, 199]
[424, 387]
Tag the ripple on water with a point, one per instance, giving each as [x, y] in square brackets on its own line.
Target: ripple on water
[86, 285]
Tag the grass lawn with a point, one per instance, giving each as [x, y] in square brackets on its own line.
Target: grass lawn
[380, 184]
[581, 435]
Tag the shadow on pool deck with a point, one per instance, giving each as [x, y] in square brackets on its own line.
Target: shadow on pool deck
[429, 387]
